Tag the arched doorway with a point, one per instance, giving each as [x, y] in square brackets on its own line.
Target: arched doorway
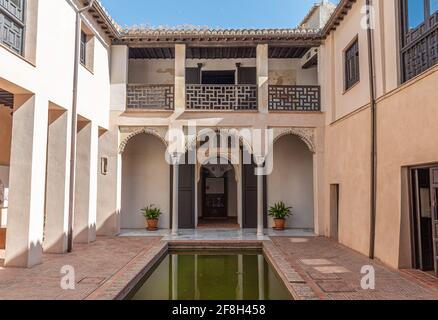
[217, 195]
[292, 180]
[145, 180]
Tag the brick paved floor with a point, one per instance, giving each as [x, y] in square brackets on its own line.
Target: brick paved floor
[333, 271]
[94, 264]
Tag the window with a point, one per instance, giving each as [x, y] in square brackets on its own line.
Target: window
[83, 48]
[416, 13]
[12, 24]
[433, 6]
[419, 31]
[87, 41]
[352, 74]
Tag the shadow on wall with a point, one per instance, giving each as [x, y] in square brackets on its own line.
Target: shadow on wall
[26, 257]
[86, 235]
[110, 226]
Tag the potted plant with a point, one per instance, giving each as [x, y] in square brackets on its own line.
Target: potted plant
[152, 214]
[280, 212]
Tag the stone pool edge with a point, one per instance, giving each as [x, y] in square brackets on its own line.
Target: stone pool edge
[297, 286]
[125, 280]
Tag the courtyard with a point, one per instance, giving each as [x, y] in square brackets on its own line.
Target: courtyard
[317, 268]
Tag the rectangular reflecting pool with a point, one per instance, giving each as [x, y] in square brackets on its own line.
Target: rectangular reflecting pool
[212, 276]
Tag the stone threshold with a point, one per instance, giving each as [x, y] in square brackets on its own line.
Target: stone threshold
[119, 286]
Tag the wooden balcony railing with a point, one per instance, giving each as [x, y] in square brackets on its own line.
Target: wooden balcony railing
[294, 98]
[150, 97]
[221, 97]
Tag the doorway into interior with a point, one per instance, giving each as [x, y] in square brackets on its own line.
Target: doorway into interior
[424, 224]
[218, 188]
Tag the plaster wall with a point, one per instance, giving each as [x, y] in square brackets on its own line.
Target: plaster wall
[292, 181]
[342, 102]
[348, 164]
[413, 107]
[48, 71]
[405, 119]
[145, 181]
[162, 71]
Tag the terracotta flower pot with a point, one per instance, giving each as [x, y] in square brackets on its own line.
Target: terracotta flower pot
[152, 225]
[280, 224]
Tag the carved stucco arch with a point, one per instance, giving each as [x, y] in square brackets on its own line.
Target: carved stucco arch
[192, 142]
[139, 131]
[307, 135]
[229, 157]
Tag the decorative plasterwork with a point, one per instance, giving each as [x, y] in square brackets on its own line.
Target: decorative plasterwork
[235, 162]
[307, 135]
[127, 133]
[193, 140]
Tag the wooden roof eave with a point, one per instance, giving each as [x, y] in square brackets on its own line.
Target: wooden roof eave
[140, 41]
[341, 11]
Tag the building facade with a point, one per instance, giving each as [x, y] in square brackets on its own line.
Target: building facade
[349, 107]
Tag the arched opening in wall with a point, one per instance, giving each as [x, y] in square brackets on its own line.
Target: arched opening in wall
[292, 181]
[145, 181]
[6, 116]
[217, 196]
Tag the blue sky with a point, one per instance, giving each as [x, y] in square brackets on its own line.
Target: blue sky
[212, 13]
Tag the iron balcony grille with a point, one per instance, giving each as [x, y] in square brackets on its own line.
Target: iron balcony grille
[294, 98]
[221, 97]
[153, 97]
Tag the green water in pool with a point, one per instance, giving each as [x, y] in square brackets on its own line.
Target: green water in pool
[210, 276]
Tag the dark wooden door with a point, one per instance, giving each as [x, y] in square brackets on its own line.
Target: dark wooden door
[249, 197]
[422, 219]
[434, 200]
[193, 76]
[247, 75]
[186, 199]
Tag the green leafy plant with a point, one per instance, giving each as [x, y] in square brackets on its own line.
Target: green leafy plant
[151, 212]
[280, 211]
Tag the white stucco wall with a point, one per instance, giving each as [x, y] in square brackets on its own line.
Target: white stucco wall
[292, 181]
[145, 181]
[50, 75]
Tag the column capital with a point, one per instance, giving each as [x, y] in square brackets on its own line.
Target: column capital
[259, 160]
